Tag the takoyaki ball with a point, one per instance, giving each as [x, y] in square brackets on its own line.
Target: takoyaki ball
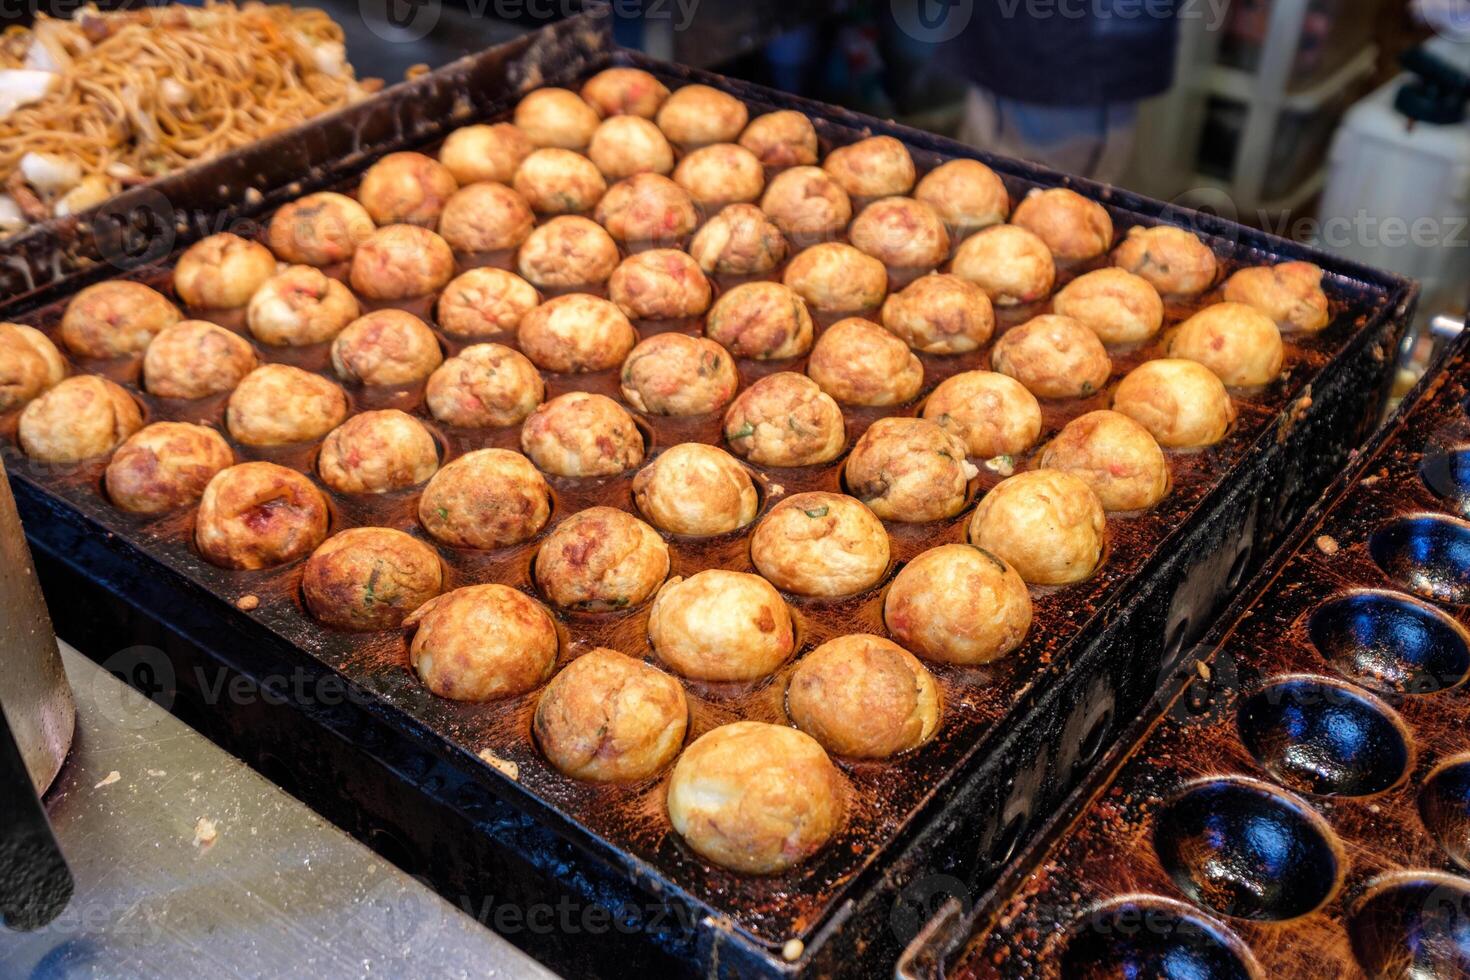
[1054, 357]
[1113, 455]
[401, 262]
[625, 91]
[1073, 227]
[958, 604]
[721, 173]
[27, 367]
[610, 718]
[601, 558]
[575, 333]
[909, 470]
[299, 307]
[257, 515]
[806, 201]
[487, 498]
[739, 241]
[857, 362]
[582, 434]
[1238, 342]
[879, 166]
[628, 145]
[837, 277]
[277, 404]
[754, 797]
[784, 419]
[901, 233]
[556, 117]
[696, 489]
[1181, 403]
[483, 302]
[370, 578]
[82, 417]
[721, 626]
[386, 347]
[1289, 293]
[375, 452]
[659, 284]
[967, 194]
[55, 364]
[1174, 261]
[647, 208]
[1118, 306]
[485, 152]
[820, 544]
[765, 321]
[993, 415]
[556, 181]
[195, 358]
[1047, 525]
[675, 374]
[485, 217]
[222, 272]
[568, 251]
[482, 642]
[940, 314]
[1011, 264]
[864, 697]
[696, 115]
[318, 229]
[164, 466]
[115, 318]
[785, 138]
[484, 386]
[406, 189]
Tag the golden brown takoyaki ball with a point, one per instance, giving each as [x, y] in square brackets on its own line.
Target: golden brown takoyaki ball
[370, 578]
[401, 262]
[375, 452]
[1073, 227]
[1011, 264]
[901, 233]
[318, 229]
[626, 145]
[1047, 525]
[488, 498]
[386, 347]
[300, 306]
[482, 642]
[647, 208]
[114, 318]
[406, 189]
[29, 364]
[576, 332]
[625, 91]
[958, 604]
[582, 434]
[556, 181]
[1118, 306]
[696, 489]
[484, 386]
[761, 320]
[878, 166]
[1054, 357]
[857, 362]
[222, 272]
[483, 302]
[610, 718]
[784, 419]
[940, 314]
[56, 367]
[82, 417]
[256, 515]
[568, 251]
[485, 152]
[1239, 343]
[1181, 403]
[837, 277]
[721, 626]
[556, 117]
[196, 358]
[806, 202]
[864, 697]
[1174, 261]
[659, 284]
[993, 415]
[277, 404]
[739, 241]
[696, 115]
[675, 374]
[485, 217]
[785, 138]
[967, 194]
[820, 544]
[601, 558]
[721, 173]
[909, 470]
[1113, 455]
[1289, 293]
[164, 466]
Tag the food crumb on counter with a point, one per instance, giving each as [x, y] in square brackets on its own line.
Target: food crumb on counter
[792, 950]
[205, 832]
[1203, 669]
[247, 602]
[504, 765]
[1327, 544]
[109, 779]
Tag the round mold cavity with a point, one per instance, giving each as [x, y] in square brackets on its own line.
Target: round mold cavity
[1428, 554]
[1447, 475]
[1148, 936]
[1391, 643]
[1444, 806]
[1320, 736]
[1413, 926]
[1246, 850]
